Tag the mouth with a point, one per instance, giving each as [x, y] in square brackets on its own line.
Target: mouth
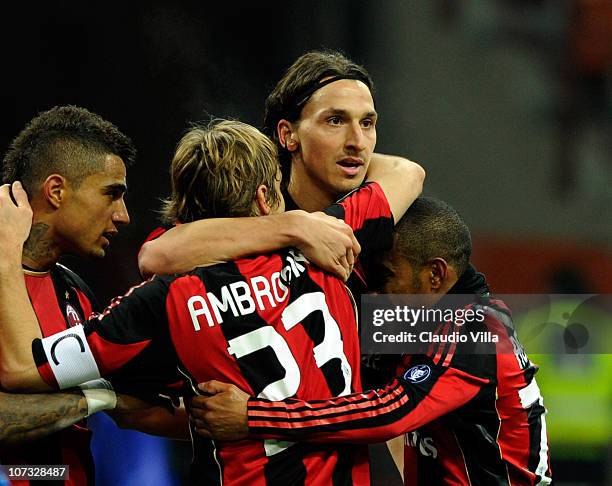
[350, 165]
[107, 236]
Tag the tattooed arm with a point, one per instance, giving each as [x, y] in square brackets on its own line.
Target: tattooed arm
[27, 417]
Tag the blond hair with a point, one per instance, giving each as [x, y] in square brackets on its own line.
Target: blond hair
[216, 170]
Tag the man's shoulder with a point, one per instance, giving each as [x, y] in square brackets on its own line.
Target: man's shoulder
[284, 268]
[366, 210]
[60, 270]
[498, 314]
[253, 265]
[158, 231]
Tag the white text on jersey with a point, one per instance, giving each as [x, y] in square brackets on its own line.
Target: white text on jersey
[242, 298]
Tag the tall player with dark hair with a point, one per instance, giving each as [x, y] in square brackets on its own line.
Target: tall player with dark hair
[322, 118]
[273, 324]
[469, 419]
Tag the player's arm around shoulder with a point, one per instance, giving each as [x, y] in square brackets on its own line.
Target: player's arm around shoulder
[323, 240]
[400, 179]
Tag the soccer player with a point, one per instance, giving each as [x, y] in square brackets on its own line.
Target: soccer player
[469, 419]
[321, 115]
[322, 118]
[72, 163]
[273, 324]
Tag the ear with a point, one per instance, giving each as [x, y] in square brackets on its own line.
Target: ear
[261, 200]
[54, 190]
[287, 135]
[438, 275]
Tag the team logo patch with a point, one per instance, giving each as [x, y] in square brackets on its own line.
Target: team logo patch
[73, 316]
[417, 373]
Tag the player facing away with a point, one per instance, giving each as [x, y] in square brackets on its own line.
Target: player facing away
[470, 417]
[272, 324]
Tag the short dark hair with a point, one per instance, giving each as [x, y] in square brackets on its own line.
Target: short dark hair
[65, 139]
[293, 90]
[432, 228]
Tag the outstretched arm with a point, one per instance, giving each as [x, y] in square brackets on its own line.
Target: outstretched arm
[370, 416]
[325, 241]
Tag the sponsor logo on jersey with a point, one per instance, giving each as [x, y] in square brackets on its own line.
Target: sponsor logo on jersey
[73, 316]
[425, 445]
[417, 373]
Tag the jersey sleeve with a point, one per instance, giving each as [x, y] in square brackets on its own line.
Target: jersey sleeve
[153, 235]
[157, 232]
[447, 377]
[421, 395]
[367, 211]
[110, 340]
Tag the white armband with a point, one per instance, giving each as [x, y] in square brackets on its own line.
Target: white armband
[70, 358]
[99, 395]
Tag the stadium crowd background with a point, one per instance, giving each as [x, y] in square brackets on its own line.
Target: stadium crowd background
[506, 103]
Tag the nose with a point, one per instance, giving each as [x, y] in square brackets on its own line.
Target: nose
[120, 213]
[356, 139]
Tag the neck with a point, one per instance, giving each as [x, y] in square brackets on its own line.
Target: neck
[306, 192]
[448, 284]
[39, 250]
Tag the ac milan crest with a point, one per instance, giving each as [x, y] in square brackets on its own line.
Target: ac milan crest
[73, 316]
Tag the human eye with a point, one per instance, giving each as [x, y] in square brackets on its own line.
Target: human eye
[334, 120]
[115, 193]
[368, 123]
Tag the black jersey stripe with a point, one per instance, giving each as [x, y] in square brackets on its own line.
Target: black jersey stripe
[534, 418]
[287, 467]
[350, 405]
[65, 293]
[204, 469]
[343, 471]
[377, 416]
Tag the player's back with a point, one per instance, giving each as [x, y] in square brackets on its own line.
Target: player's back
[277, 328]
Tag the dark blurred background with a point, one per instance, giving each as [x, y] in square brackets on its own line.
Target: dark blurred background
[506, 103]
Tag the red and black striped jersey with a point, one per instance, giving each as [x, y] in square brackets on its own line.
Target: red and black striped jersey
[274, 325]
[61, 300]
[468, 418]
